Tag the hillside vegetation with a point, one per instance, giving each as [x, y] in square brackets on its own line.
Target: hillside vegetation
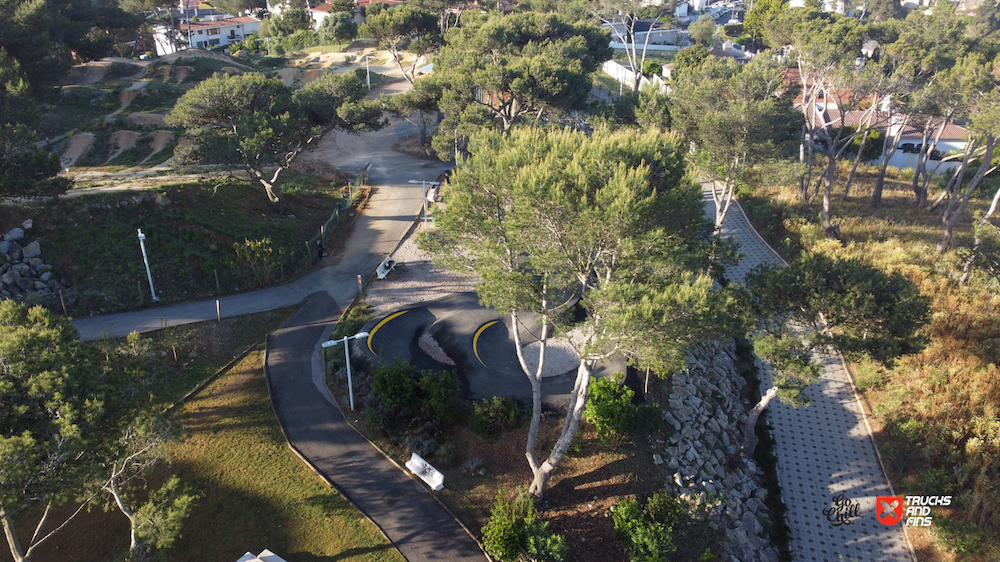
[935, 413]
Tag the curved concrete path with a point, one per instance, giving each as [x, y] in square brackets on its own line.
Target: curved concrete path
[824, 450]
[418, 526]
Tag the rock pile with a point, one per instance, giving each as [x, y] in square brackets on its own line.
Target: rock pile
[705, 417]
[23, 273]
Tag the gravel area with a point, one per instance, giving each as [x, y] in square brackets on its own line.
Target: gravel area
[560, 357]
[416, 279]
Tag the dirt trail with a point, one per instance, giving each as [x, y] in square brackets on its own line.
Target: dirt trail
[160, 141]
[79, 145]
[192, 53]
[126, 98]
[121, 141]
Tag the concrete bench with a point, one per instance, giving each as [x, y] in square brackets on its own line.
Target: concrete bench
[430, 475]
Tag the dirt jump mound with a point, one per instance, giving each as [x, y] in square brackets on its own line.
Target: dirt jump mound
[78, 145]
[146, 119]
[182, 72]
[121, 141]
[161, 139]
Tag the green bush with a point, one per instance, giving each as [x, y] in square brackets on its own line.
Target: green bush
[494, 415]
[438, 394]
[542, 545]
[447, 455]
[396, 385]
[610, 409]
[648, 533]
[514, 527]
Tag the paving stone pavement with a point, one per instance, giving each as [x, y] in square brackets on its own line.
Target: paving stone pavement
[825, 449]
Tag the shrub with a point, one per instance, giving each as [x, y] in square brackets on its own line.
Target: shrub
[542, 545]
[447, 455]
[494, 415]
[396, 385]
[648, 533]
[610, 409]
[514, 527]
[437, 394]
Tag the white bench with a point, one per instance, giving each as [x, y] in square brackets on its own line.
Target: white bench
[426, 472]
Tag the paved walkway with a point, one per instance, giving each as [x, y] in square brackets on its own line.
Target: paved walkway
[824, 450]
[401, 506]
[418, 526]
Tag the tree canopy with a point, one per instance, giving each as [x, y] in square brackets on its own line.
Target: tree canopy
[404, 27]
[611, 217]
[53, 396]
[849, 304]
[500, 69]
[257, 122]
[338, 27]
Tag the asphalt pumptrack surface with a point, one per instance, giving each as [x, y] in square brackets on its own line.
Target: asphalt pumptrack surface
[479, 341]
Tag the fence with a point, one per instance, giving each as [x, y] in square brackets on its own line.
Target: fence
[313, 244]
[627, 76]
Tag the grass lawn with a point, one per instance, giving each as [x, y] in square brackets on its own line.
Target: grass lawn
[256, 493]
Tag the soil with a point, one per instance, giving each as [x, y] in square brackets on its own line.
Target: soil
[122, 141]
[182, 72]
[147, 119]
[79, 145]
[161, 139]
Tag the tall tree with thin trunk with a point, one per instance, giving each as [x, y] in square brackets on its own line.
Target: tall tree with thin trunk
[610, 218]
[736, 113]
[625, 18]
[404, 27]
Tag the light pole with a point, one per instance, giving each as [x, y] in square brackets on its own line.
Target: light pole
[347, 353]
[145, 260]
[425, 183]
[368, 72]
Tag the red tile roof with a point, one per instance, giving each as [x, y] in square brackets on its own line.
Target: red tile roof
[207, 24]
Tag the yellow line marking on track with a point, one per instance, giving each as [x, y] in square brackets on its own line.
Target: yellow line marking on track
[475, 339]
[379, 325]
[567, 301]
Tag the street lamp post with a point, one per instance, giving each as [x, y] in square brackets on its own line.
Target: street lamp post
[347, 353]
[425, 183]
[145, 260]
[368, 72]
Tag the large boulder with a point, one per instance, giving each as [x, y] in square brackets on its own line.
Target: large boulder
[10, 277]
[32, 250]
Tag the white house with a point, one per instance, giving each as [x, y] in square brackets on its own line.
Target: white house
[212, 30]
[320, 13]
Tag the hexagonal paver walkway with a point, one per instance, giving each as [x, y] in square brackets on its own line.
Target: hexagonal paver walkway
[824, 450]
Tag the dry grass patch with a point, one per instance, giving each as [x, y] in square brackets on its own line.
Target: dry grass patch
[934, 413]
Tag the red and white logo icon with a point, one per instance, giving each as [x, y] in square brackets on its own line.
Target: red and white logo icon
[889, 509]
